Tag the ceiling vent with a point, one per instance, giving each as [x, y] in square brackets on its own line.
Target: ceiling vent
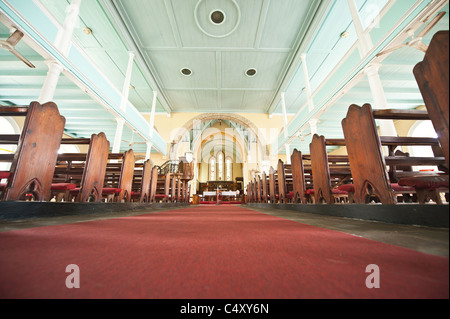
[186, 72]
[250, 72]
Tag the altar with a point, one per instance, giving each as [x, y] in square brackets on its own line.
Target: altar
[220, 197]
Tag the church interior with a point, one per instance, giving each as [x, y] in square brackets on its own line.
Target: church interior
[224, 149]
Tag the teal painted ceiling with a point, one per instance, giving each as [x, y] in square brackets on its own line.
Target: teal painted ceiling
[167, 36]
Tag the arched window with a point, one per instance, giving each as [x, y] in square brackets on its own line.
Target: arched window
[220, 168]
[229, 169]
[422, 129]
[7, 126]
[212, 168]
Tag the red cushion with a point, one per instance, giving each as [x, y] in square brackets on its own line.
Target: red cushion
[349, 188]
[333, 191]
[290, 195]
[111, 190]
[425, 182]
[160, 196]
[4, 174]
[397, 188]
[336, 191]
[63, 186]
[75, 190]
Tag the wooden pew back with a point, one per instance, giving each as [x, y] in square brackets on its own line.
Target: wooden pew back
[95, 168]
[432, 78]
[35, 158]
[365, 155]
[298, 177]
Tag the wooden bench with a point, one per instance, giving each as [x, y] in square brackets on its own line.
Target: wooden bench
[367, 161]
[91, 167]
[328, 172]
[161, 187]
[119, 180]
[285, 182]
[432, 78]
[273, 186]
[34, 161]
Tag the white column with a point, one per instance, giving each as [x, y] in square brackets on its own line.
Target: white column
[118, 136]
[51, 81]
[149, 150]
[307, 83]
[126, 82]
[286, 132]
[152, 114]
[364, 40]
[387, 127]
[313, 126]
[63, 44]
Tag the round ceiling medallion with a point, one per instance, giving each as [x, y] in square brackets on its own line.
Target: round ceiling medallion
[217, 18]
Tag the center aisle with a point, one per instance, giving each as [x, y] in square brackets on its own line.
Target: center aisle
[210, 252]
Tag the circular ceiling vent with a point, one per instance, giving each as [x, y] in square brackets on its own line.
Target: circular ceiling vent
[250, 72]
[186, 72]
[217, 17]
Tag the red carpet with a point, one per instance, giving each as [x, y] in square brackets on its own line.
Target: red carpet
[210, 252]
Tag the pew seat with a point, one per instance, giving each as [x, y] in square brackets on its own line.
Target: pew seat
[63, 186]
[111, 190]
[425, 182]
[427, 187]
[350, 188]
[4, 174]
[335, 191]
[397, 190]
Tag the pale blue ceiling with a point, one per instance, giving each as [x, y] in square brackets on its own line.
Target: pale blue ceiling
[169, 35]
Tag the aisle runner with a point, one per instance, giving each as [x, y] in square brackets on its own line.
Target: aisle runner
[210, 252]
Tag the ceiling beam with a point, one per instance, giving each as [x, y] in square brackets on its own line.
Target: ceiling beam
[113, 9]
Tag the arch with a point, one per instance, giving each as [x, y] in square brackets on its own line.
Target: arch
[238, 119]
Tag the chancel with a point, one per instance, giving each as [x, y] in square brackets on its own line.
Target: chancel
[224, 149]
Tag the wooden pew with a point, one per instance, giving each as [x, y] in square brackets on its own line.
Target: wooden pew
[367, 161]
[432, 78]
[285, 183]
[265, 188]
[33, 163]
[328, 171]
[161, 187]
[273, 186]
[298, 178]
[119, 187]
[93, 169]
